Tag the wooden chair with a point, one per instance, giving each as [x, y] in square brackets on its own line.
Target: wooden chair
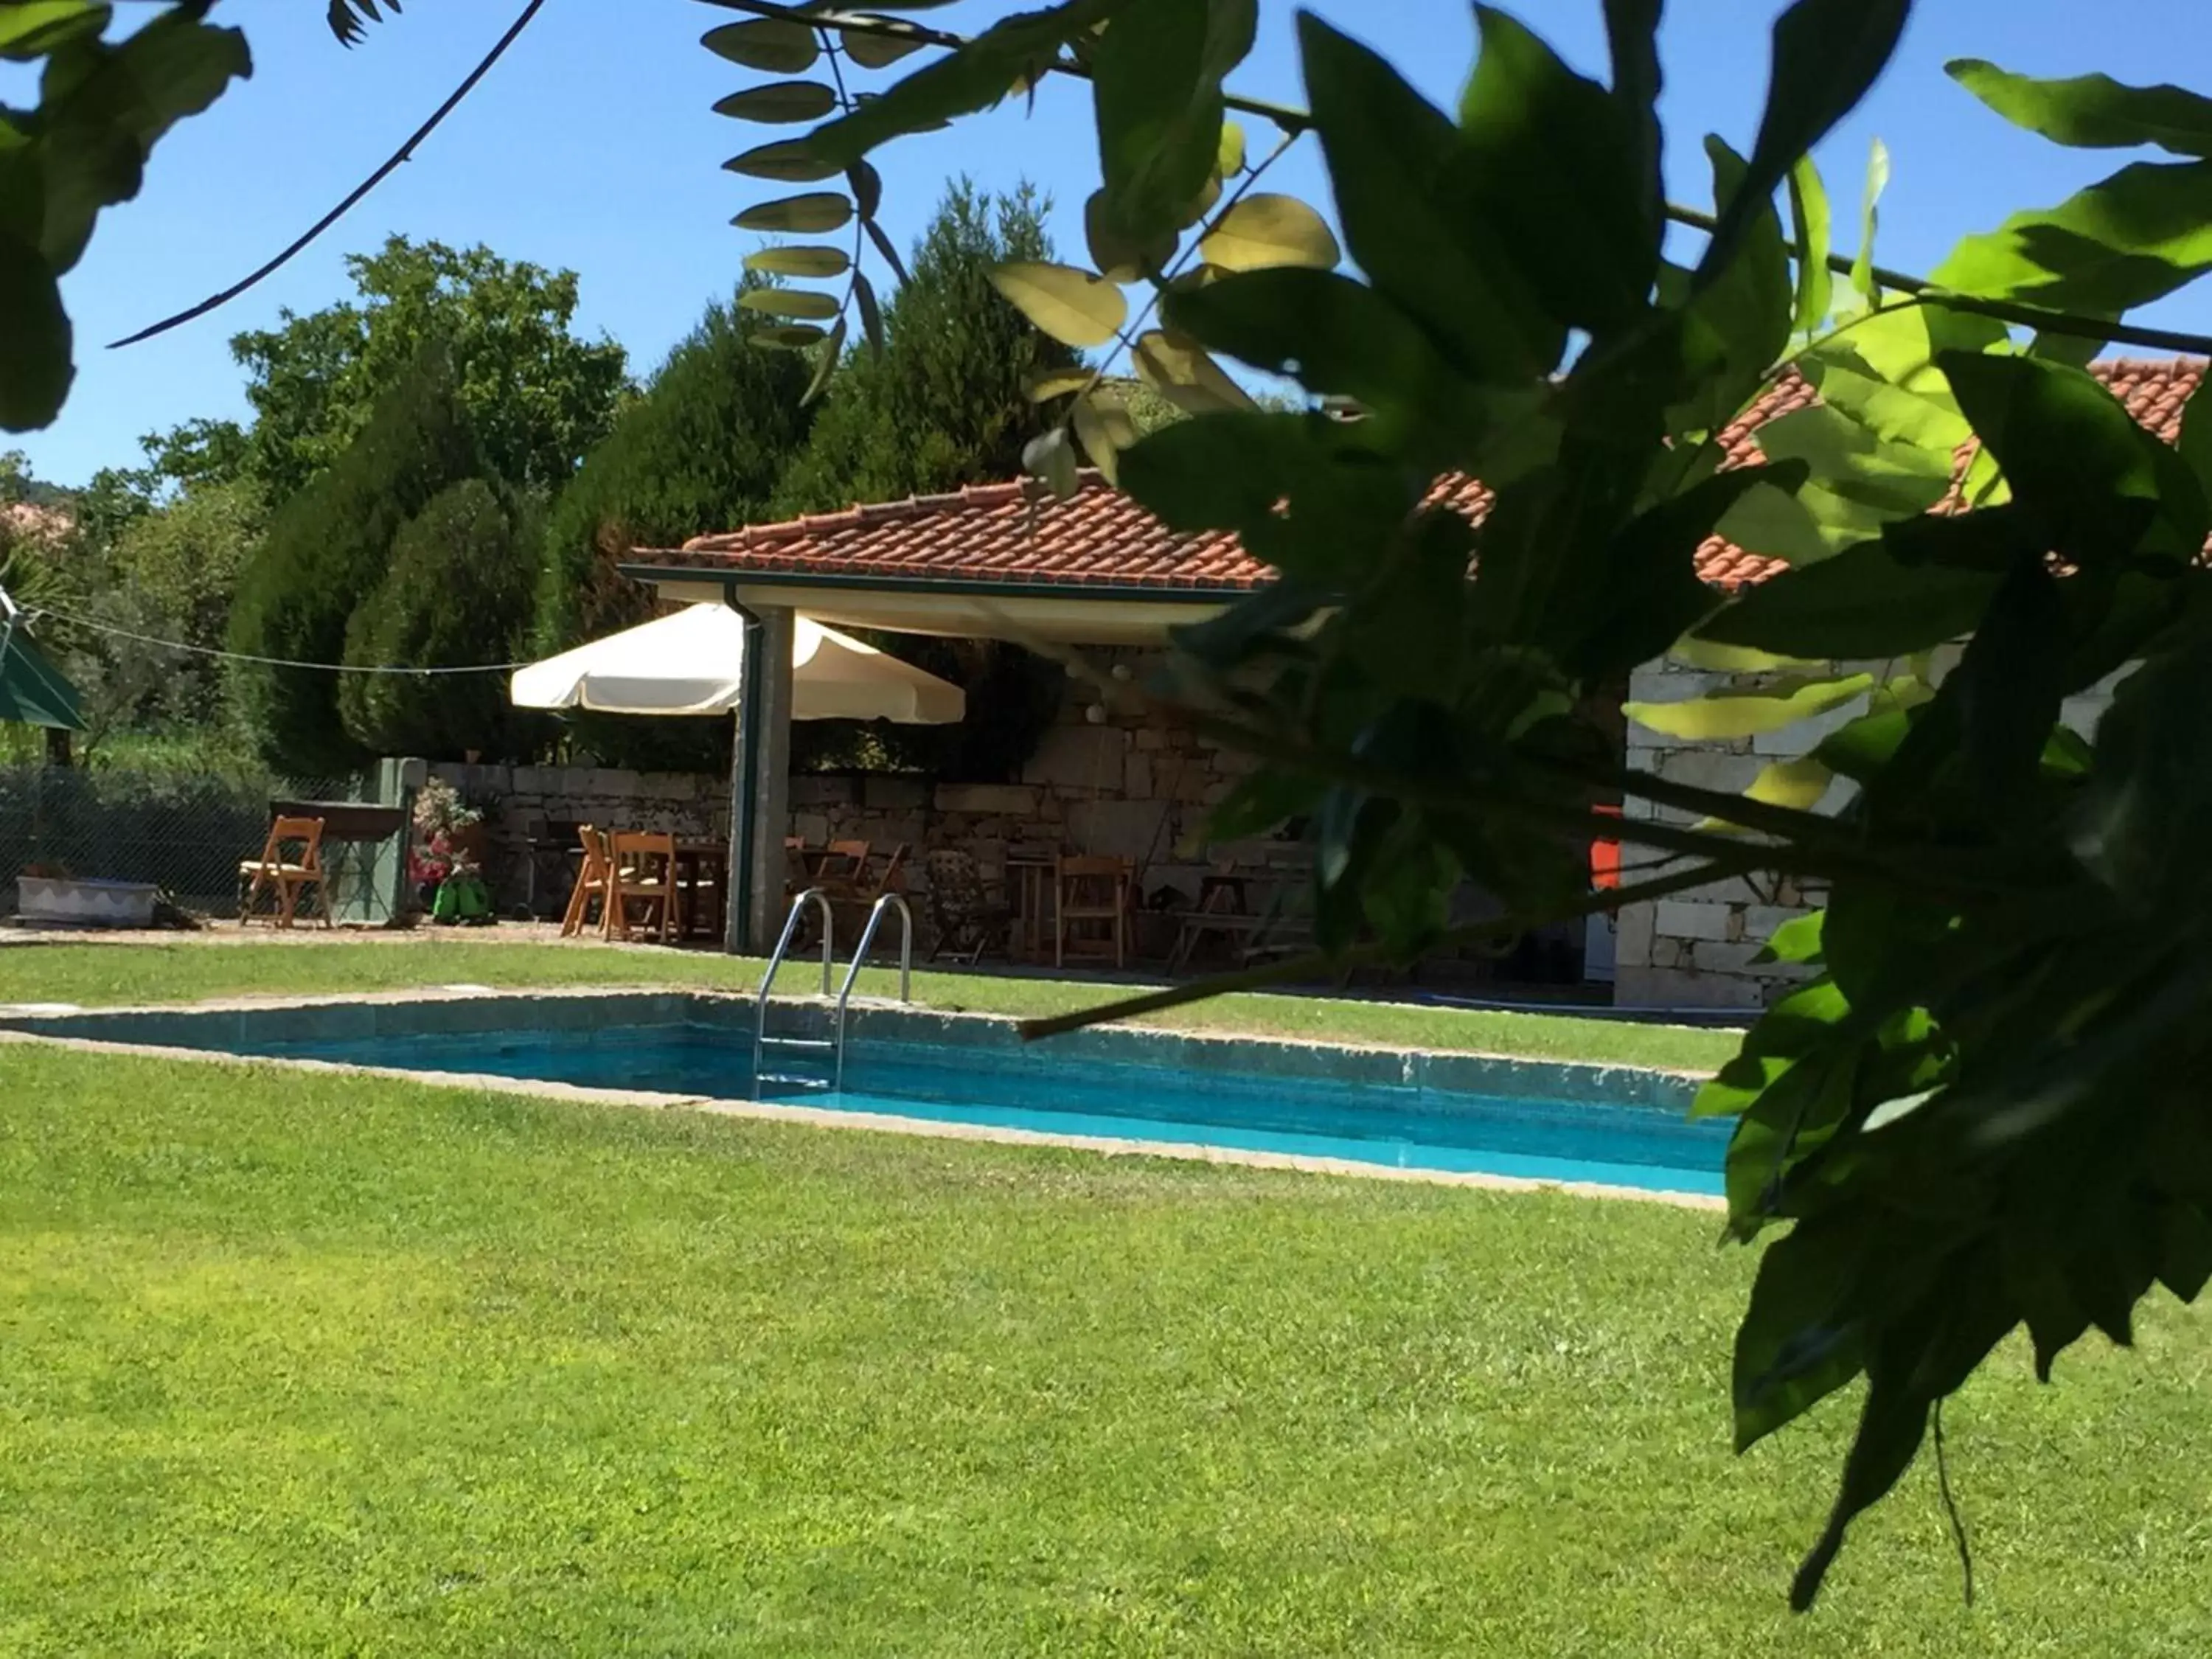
[642, 869]
[893, 879]
[290, 863]
[591, 883]
[1092, 890]
[845, 864]
[967, 917]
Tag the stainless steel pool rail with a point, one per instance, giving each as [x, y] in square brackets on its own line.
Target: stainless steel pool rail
[888, 901]
[761, 1041]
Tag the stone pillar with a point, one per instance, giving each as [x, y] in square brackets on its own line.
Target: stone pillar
[760, 785]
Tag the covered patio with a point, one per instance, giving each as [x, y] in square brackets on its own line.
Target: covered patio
[1095, 577]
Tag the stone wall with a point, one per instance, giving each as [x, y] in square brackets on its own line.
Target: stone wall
[1110, 777]
[1695, 951]
[530, 815]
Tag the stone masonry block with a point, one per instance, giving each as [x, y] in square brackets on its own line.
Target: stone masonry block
[1011, 800]
[1683, 919]
[1079, 757]
[1632, 941]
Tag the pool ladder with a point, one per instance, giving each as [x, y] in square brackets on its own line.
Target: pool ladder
[831, 1047]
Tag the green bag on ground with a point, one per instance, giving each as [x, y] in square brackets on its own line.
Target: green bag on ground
[461, 899]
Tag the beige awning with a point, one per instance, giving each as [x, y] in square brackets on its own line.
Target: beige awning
[692, 662]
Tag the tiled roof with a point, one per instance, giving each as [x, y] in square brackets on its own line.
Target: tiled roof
[1016, 533]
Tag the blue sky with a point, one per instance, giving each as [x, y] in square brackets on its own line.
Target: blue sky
[593, 146]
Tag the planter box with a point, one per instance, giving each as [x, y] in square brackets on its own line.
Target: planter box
[57, 899]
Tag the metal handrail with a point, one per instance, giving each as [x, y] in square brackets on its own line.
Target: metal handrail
[888, 901]
[776, 961]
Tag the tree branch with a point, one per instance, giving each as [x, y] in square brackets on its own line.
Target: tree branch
[353, 197]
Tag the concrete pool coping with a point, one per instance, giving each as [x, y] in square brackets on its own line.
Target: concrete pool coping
[159, 1032]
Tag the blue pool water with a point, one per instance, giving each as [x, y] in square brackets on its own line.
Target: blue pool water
[1401, 1126]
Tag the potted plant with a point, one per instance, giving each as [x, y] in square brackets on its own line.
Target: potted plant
[446, 861]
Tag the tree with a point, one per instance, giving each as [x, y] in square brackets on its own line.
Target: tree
[1986, 1109]
[699, 450]
[178, 566]
[327, 549]
[539, 397]
[456, 593]
[946, 401]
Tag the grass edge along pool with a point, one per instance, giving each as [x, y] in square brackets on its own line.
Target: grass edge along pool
[1412, 1111]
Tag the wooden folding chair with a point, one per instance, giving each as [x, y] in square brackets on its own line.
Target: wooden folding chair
[591, 883]
[290, 863]
[641, 868]
[1092, 890]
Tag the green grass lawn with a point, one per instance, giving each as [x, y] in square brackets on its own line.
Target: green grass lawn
[108, 974]
[311, 1365]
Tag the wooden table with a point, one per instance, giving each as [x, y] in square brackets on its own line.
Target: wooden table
[1030, 872]
[702, 867]
[349, 827]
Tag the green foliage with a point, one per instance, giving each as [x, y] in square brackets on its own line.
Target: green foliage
[455, 592]
[947, 402]
[1986, 1110]
[328, 548]
[84, 147]
[700, 450]
[538, 396]
[182, 564]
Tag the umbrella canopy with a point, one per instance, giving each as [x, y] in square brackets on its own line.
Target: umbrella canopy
[31, 689]
[693, 663]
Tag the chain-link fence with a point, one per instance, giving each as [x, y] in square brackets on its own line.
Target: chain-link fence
[187, 832]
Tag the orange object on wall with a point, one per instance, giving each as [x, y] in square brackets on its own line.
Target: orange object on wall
[1605, 857]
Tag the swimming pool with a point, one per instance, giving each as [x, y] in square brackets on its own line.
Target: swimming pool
[1409, 1112]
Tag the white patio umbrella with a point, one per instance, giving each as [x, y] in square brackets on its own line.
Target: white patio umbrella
[693, 663]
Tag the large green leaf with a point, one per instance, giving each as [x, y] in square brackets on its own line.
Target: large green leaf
[1862, 604]
[771, 44]
[1643, 592]
[112, 103]
[1549, 166]
[1392, 156]
[1811, 235]
[807, 215]
[1826, 54]
[874, 51]
[2097, 483]
[1747, 714]
[789, 302]
[32, 28]
[780, 102]
[2134, 238]
[2092, 112]
[1736, 325]
[1158, 72]
[35, 346]
[1076, 308]
[1877, 180]
[788, 161]
[1631, 31]
[1338, 336]
[975, 76]
[801, 261]
[1265, 230]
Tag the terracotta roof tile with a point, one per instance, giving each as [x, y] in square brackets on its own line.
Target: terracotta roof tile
[1018, 534]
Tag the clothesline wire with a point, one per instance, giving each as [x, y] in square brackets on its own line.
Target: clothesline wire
[111, 629]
